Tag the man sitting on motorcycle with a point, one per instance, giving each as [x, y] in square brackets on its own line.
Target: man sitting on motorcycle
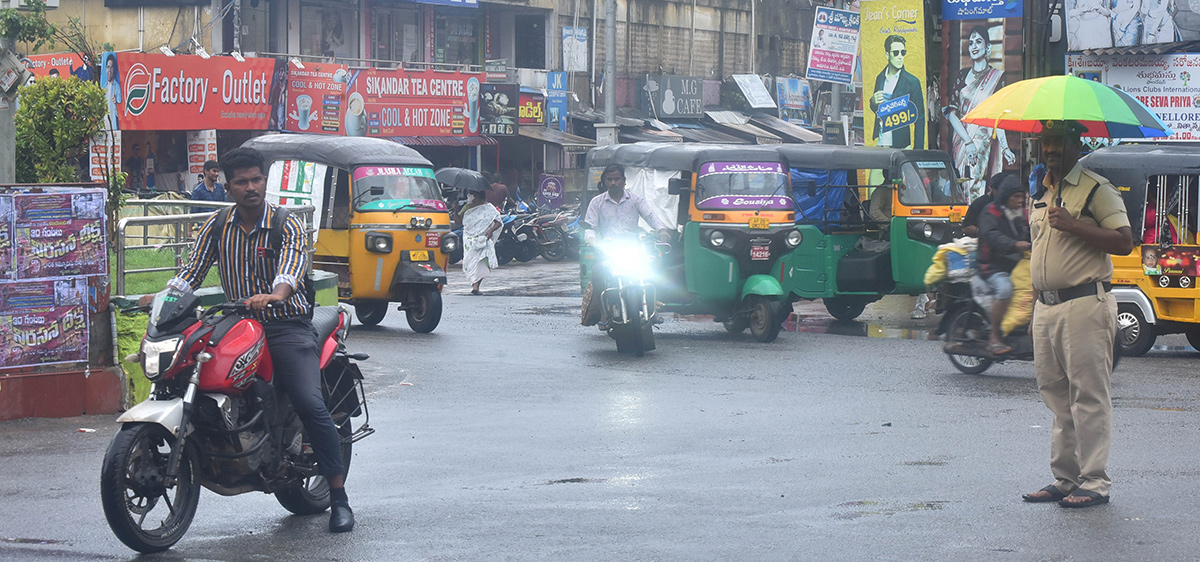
[614, 214]
[1003, 241]
[254, 271]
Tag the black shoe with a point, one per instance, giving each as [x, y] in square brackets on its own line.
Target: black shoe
[341, 518]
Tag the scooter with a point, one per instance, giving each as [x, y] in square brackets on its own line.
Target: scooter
[214, 419]
[966, 327]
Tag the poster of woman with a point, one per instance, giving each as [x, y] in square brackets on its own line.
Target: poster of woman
[978, 152]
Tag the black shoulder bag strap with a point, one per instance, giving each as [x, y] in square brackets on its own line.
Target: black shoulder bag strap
[275, 242]
[1087, 203]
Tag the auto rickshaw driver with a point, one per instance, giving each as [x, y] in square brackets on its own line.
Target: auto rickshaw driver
[614, 213]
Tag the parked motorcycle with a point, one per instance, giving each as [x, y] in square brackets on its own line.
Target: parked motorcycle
[629, 301]
[215, 419]
[966, 326]
[553, 235]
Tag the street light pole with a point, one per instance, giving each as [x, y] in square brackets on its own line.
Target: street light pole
[606, 133]
[835, 89]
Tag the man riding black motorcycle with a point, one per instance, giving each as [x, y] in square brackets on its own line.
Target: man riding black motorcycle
[1003, 241]
[259, 251]
[614, 214]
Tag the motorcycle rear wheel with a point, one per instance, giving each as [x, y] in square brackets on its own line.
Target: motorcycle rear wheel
[969, 326]
[134, 489]
[310, 496]
[528, 250]
[555, 247]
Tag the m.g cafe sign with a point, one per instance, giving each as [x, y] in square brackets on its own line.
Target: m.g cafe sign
[533, 109]
[185, 92]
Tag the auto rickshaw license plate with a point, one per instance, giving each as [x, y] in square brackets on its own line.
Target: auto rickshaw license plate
[761, 223]
[760, 252]
[418, 255]
[956, 216]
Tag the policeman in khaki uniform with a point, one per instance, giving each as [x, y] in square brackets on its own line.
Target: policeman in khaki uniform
[1077, 219]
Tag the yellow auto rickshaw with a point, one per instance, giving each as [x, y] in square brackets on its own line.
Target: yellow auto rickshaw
[382, 225]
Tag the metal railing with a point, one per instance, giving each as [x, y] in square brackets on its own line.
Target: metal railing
[181, 230]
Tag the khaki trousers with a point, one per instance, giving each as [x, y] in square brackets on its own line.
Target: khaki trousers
[1073, 357]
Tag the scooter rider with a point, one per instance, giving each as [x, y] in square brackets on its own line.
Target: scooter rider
[614, 213]
[251, 269]
[1003, 241]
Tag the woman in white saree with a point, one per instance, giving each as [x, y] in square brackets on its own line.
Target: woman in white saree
[481, 226]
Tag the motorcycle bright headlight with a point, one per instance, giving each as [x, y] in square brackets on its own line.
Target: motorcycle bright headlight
[158, 355]
[794, 238]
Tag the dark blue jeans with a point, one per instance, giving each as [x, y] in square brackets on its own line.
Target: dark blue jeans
[293, 345]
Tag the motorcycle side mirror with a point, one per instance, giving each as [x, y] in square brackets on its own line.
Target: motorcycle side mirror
[677, 186]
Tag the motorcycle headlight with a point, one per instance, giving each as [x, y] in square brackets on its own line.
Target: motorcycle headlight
[716, 238]
[158, 355]
[379, 242]
[449, 243]
[628, 259]
[794, 238]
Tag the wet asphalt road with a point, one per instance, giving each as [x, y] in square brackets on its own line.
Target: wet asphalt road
[513, 433]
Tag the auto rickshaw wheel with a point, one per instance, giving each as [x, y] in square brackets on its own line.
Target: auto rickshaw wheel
[1136, 337]
[424, 308]
[736, 324]
[764, 318]
[370, 313]
[845, 309]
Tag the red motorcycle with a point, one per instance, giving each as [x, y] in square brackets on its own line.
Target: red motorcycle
[214, 419]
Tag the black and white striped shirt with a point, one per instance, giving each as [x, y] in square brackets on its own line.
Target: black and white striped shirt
[247, 264]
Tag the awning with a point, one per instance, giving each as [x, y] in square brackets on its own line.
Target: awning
[790, 132]
[569, 142]
[1151, 49]
[446, 141]
[739, 124]
[649, 135]
[700, 133]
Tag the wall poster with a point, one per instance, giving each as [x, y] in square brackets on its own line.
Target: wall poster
[893, 55]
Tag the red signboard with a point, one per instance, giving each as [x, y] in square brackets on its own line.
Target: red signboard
[316, 98]
[400, 103]
[61, 65]
[533, 109]
[186, 92]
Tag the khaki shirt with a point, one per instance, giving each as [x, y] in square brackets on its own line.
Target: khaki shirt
[1059, 259]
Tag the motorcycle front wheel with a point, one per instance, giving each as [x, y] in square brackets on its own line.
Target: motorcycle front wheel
[969, 326]
[145, 509]
[310, 496]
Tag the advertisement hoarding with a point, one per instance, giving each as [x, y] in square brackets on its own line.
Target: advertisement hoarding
[498, 112]
[57, 234]
[835, 37]
[43, 321]
[1164, 83]
[316, 96]
[532, 110]
[669, 97]
[396, 103]
[1102, 24]
[794, 100]
[893, 60]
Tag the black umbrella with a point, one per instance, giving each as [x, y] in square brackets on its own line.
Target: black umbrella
[462, 178]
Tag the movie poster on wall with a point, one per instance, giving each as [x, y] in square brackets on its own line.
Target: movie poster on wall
[6, 237]
[59, 234]
[893, 55]
[498, 111]
[43, 321]
[983, 56]
[316, 99]
[1102, 24]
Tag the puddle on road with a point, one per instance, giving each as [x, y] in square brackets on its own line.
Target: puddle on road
[817, 324]
[30, 541]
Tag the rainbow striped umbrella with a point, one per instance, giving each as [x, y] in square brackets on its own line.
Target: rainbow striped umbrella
[1104, 110]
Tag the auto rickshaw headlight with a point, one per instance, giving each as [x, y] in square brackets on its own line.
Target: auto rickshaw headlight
[716, 238]
[927, 230]
[379, 242]
[449, 243]
[794, 238]
[428, 222]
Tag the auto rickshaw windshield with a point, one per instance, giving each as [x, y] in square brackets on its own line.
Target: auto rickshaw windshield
[732, 185]
[386, 188]
[930, 183]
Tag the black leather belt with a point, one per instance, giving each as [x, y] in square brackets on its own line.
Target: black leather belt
[1063, 295]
